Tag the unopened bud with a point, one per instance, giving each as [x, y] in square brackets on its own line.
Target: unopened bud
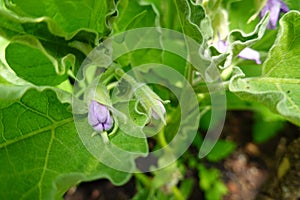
[99, 117]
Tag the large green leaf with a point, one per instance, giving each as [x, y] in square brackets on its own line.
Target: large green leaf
[30, 61]
[278, 87]
[188, 18]
[71, 16]
[283, 60]
[41, 153]
[56, 41]
[44, 28]
[36, 40]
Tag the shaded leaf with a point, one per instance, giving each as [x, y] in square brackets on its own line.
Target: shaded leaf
[30, 62]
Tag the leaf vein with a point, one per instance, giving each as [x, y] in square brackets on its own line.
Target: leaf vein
[33, 133]
[46, 163]
[36, 112]
[288, 98]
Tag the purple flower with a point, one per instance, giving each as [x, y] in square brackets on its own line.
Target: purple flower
[250, 54]
[247, 53]
[99, 117]
[274, 7]
[222, 46]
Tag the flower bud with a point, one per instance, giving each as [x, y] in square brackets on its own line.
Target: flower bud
[162, 109]
[99, 117]
[150, 101]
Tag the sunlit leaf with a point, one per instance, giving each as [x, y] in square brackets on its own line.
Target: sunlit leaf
[279, 84]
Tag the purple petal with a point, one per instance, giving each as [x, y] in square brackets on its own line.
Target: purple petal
[99, 117]
[108, 124]
[264, 10]
[274, 14]
[222, 46]
[98, 127]
[250, 54]
[274, 7]
[98, 111]
[284, 7]
[92, 115]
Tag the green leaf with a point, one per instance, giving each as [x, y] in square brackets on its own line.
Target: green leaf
[133, 14]
[71, 16]
[188, 20]
[30, 62]
[186, 187]
[113, 154]
[283, 60]
[135, 123]
[127, 140]
[45, 29]
[166, 14]
[211, 183]
[54, 43]
[240, 13]
[278, 87]
[195, 24]
[266, 125]
[9, 78]
[9, 25]
[130, 143]
[221, 150]
[141, 194]
[239, 40]
[293, 5]
[41, 153]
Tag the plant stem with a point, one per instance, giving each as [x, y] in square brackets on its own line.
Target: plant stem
[143, 179]
[161, 138]
[105, 137]
[189, 72]
[177, 193]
